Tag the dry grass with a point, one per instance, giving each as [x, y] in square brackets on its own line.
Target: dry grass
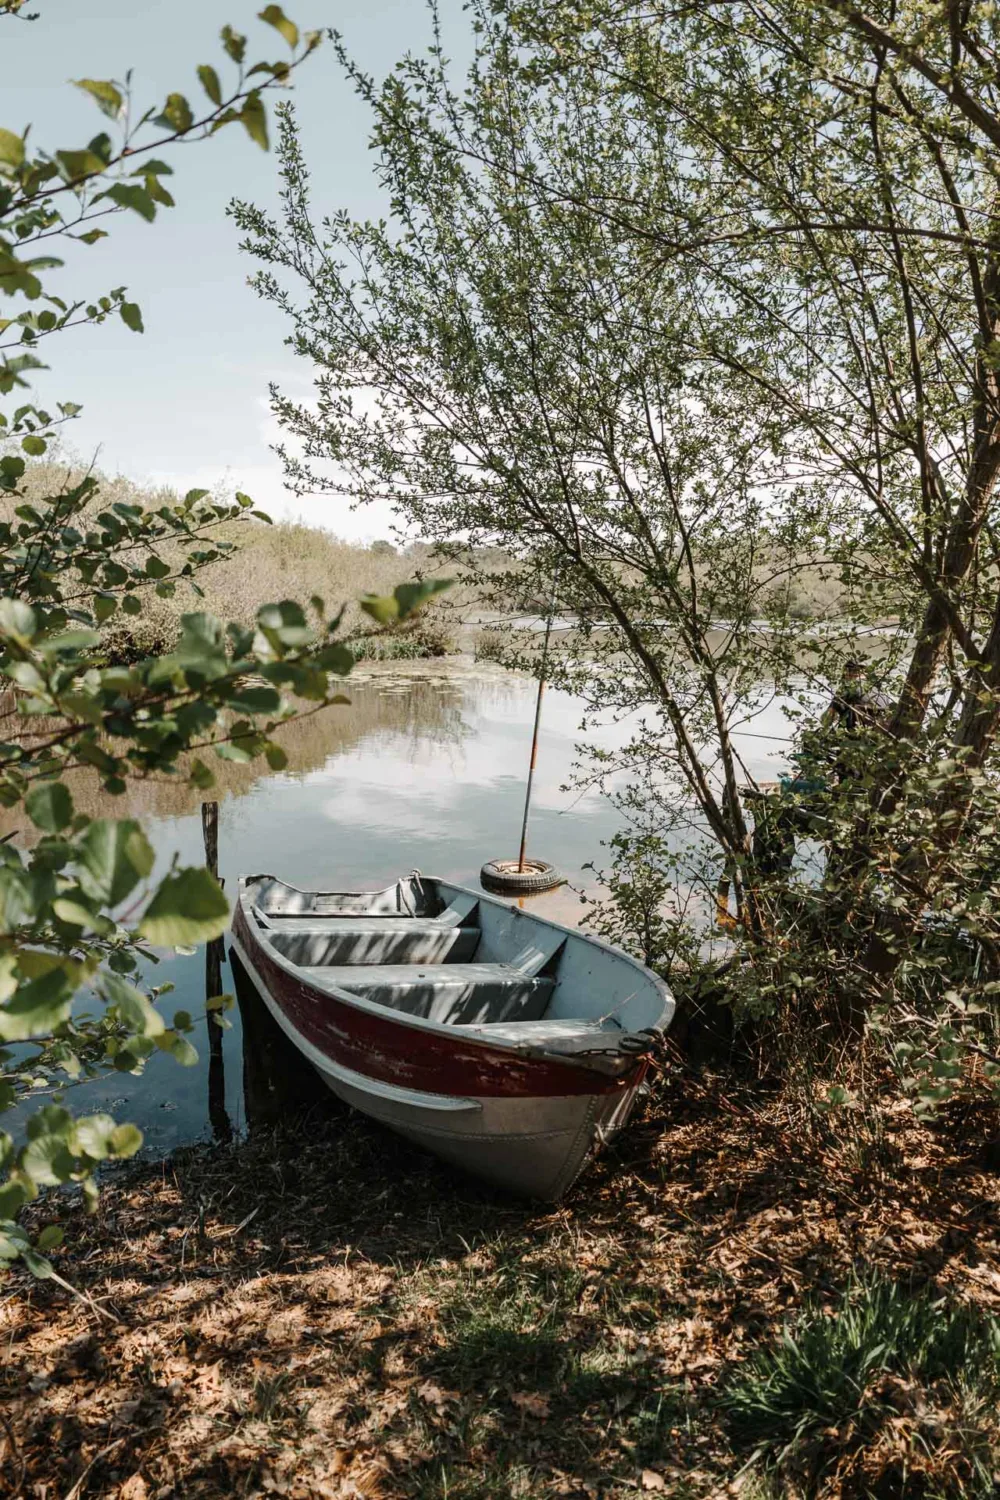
[291, 560]
[329, 1313]
[284, 561]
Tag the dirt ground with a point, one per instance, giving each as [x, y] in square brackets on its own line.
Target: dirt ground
[331, 1314]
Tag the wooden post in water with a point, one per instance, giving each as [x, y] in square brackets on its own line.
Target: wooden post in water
[214, 953]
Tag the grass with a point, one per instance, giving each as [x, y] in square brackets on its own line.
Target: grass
[285, 561]
[423, 637]
[895, 1388]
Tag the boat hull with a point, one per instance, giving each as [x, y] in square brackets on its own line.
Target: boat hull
[523, 1123]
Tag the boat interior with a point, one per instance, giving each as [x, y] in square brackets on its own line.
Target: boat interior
[455, 958]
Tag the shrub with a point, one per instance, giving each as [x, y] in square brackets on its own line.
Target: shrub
[425, 638]
[490, 643]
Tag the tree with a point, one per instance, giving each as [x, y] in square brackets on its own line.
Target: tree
[673, 305]
[66, 567]
[847, 162]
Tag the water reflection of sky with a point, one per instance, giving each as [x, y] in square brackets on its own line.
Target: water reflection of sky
[424, 773]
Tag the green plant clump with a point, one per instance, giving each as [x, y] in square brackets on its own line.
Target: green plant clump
[891, 1393]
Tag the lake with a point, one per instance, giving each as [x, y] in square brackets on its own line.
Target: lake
[424, 769]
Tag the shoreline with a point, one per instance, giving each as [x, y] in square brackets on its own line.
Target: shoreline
[328, 1312]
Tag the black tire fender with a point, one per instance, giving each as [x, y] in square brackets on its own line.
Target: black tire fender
[504, 878]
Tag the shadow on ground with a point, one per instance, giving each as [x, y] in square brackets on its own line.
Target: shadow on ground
[321, 1310]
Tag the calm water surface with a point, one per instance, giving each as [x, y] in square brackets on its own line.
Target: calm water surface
[424, 770]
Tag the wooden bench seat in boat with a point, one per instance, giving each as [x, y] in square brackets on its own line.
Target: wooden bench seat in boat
[565, 1034]
[455, 994]
[372, 940]
[460, 913]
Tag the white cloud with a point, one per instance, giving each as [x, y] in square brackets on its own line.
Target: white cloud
[260, 476]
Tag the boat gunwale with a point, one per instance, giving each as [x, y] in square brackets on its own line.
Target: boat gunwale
[443, 1028]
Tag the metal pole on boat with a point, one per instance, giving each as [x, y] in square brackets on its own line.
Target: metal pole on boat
[538, 716]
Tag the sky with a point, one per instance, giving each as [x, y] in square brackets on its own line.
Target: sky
[186, 402]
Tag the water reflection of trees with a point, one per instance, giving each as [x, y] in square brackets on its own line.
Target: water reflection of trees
[419, 710]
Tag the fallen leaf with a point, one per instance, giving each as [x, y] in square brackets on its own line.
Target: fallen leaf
[531, 1403]
[653, 1481]
[435, 1396]
[134, 1488]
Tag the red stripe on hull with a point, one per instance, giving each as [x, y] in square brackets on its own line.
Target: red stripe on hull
[418, 1057]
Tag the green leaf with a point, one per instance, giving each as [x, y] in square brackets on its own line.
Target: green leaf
[201, 776]
[209, 79]
[17, 619]
[255, 700]
[77, 915]
[189, 907]
[40, 1006]
[71, 640]
[102, 146]
[13, 1195]
[274, 16]
[125, 1141]
[47, 1159]
[176, 114]
[383, 608]
[76, 166]
[156, 567]
[50, 1238]
[11, 149]
[410, 596]
[234, 43]
[131, 605]
[34, 445]
[104, 607]
[93, 1135]
[17, 900]
[108, 98]
[49, 806]
[276, 757]
[235, 753]
[39, 1267]
[285, 623]
[17, 276]
[131, 195]
[155, 189]
[183, 1052]
[92, 236]
[335, 658]
[115, 856]
[254, 117]
[133, 1007]
[403, 601]
[11, 468]
[131, 315]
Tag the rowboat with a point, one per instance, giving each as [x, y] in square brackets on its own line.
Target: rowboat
[505, 1043]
